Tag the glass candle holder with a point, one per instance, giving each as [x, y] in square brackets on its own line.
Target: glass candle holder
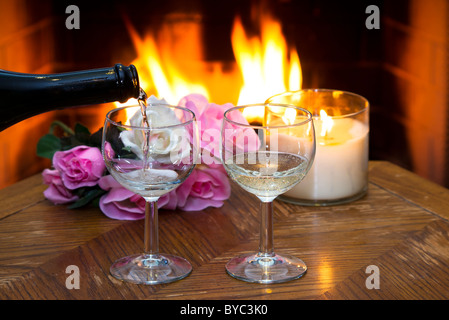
[339, 173]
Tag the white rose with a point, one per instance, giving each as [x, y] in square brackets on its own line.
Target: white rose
[166, 144]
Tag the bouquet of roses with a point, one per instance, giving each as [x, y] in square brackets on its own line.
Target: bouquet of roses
[79, 176]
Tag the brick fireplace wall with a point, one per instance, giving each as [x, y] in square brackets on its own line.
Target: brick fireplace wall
[26, 45]
[411, 127]
[401, 68]
[34, 39]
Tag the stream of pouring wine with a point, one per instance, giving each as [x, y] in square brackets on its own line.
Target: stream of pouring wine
[142, 99]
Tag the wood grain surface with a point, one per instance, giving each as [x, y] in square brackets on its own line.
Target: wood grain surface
[401, 226]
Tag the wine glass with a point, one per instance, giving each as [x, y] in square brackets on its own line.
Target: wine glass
[267, 159]
[150, 152]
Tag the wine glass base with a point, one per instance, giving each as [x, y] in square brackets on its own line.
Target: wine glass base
[150, 269]
[266, 269]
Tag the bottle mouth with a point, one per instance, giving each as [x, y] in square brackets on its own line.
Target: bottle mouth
[128, 82]
[135, 79]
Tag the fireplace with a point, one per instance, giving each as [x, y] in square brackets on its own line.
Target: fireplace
[401, 68]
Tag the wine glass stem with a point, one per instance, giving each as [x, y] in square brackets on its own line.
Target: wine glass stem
[266, 229]
[151, 238]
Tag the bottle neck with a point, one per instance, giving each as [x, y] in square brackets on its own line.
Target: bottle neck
[25, 95]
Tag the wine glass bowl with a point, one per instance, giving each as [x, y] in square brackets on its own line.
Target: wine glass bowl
[169, 160]
[267, 159]
[150, 151]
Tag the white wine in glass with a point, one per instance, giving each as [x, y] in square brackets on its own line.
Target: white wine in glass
[150, 150]
[267, 160]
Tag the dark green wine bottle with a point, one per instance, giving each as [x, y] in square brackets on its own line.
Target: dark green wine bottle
[25, 95]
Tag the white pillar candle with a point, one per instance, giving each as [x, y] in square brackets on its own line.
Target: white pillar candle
[340, 168]
[339, 172]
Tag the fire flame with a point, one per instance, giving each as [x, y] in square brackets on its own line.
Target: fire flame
[266, 65]
[161, 69]
[263, 61]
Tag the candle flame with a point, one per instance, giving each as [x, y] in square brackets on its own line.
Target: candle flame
[327, 123]
[289, 116]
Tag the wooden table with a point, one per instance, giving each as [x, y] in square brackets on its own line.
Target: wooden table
[401, 227]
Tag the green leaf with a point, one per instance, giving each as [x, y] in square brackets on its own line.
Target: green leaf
[91, 195]
[48, 145]
[62, 125]
[68, 143]
[82, 134]
[96, 139]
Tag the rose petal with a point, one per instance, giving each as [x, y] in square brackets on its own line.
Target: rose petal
[197, 204]
[56, 192]
[80, 166]
[113, 211]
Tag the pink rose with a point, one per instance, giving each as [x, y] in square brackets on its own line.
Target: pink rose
[81, 166]
[168, 201]
[207, 186]
[209, 117]
[120, 203]
[56, 192]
